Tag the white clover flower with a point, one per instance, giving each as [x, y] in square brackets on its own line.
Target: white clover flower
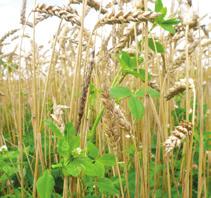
[77, 151]
[3, 148]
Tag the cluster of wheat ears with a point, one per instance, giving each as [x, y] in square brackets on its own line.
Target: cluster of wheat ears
[70, 80]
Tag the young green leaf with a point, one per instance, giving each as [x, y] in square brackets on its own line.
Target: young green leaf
[107, 160]
[124, 59]
[140, 92]
[54, 128]
[156, 46]
[92, 150]
[172, 21]
[158, 5]
[69, 129]
[136, 107]
[94, 169]
[74, 168]
[64, 148]
[45, 185]
[152, 92]
[106, 186]
[120, 92]
[141, 75]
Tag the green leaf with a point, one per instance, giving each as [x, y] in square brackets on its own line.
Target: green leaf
[141, 75]
[106, 186]
[120, 92]
[128, 61]
[92, 150]
[152, 92]
[140, 92]
[107, 160]
[93, 169]
[172, 21]
[158, 5]
[45, 185]
[167, 27]
[54, 128]
[124, 59]
[64, 148]
[156, 46]
[74, 168]
[69, 130]
[136, 107]
[99, 169]
[74, 142]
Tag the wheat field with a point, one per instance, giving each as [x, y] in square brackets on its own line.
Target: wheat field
[118, 109]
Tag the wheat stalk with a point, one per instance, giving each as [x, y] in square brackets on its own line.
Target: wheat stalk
[68, 14]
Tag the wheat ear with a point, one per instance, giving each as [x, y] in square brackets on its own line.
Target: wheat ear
[92, 4]
[115, 120]
[66, 13]
[85, 89]
[8, 34]
[127, 17]
[179, 87]
[178, 135]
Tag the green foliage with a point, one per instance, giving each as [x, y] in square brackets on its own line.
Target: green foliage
[106, 186]
[129, 65]
[156, 46]
[82, 163]
[49, 123]
[8, 165]
[207, 140]
[120, 92]
[92, 150]
[45, 185]
[150, 91]
[136, 107]
[107, 160]
[166, 24]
